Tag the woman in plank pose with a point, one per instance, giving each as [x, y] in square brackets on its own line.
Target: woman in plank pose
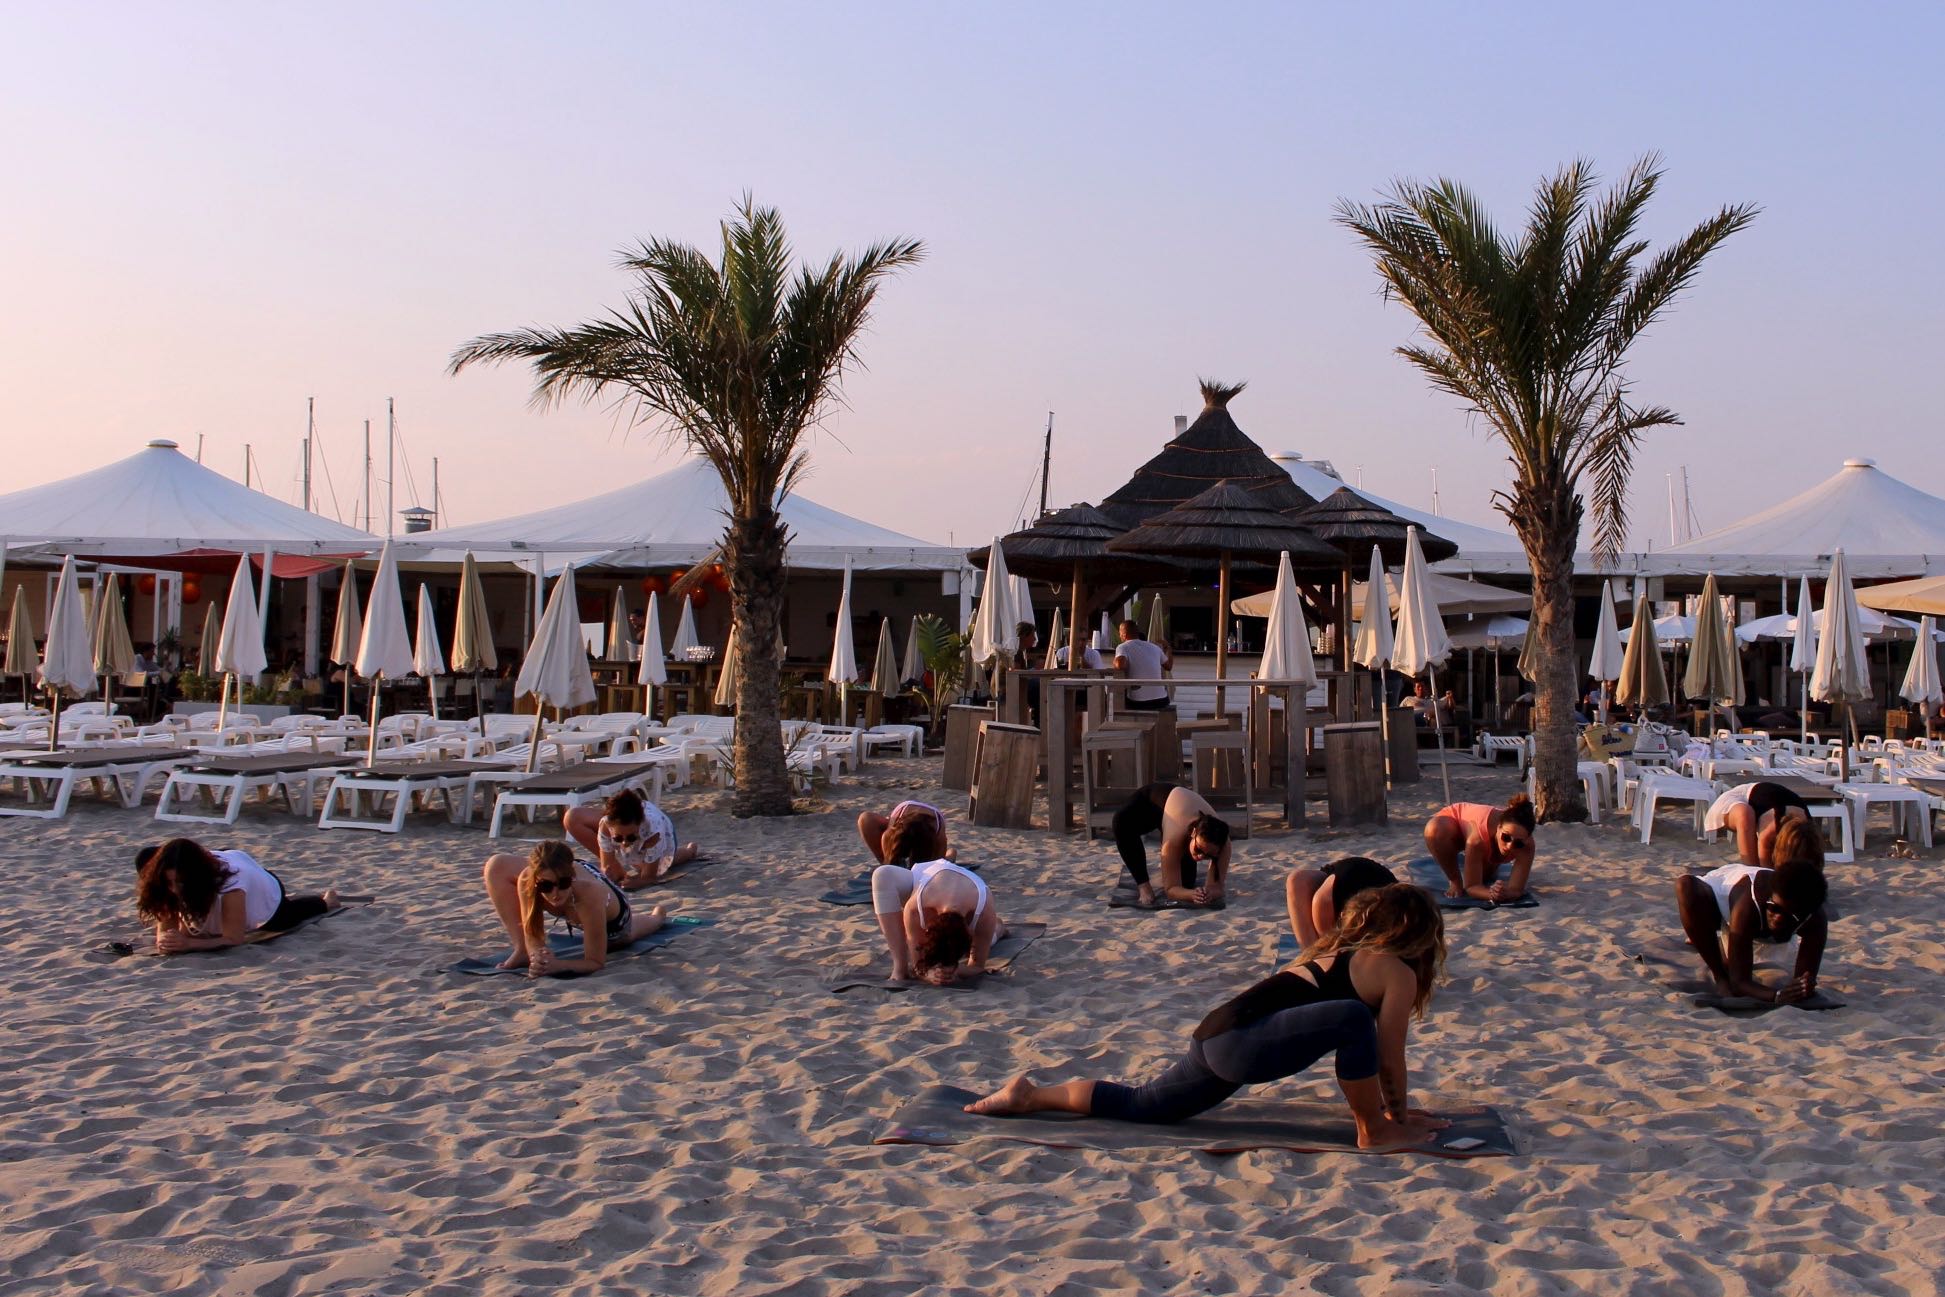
[547, 883]
[1471, 842]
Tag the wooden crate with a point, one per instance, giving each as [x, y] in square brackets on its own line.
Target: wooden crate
[1354, 774]
[1005, 764]
[962, 722]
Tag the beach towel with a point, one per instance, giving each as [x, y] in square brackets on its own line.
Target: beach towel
[871, 975]
[1673, 964]
[1426, 873]
[568, 946]
[937, 1117]
[143, 943]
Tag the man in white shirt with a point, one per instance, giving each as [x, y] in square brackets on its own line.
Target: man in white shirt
[1139, 659]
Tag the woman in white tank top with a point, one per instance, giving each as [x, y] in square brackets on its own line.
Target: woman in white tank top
[200, 899]
[934, 916]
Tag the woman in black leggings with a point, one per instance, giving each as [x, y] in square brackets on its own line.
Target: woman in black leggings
[1191, 831]
[1354, 996]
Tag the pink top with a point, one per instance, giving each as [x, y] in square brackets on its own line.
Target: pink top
[1477, 818]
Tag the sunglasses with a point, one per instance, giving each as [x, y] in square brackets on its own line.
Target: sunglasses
[1515, 844]
[1777, 916]
[627, 840]
[549, 885]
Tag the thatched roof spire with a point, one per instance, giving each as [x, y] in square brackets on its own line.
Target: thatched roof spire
[1216, 393]
[1211, 450]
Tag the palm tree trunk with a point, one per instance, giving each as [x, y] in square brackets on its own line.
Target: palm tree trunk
[755, 551]
[1549, 525]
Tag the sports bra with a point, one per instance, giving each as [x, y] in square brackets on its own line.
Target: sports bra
[1280, 991]
[923, 874]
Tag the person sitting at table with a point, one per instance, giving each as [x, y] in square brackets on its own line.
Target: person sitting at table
[1191, 832]
[548, 882]
[1470, 841]
[1027, 658]
[1354, 995]
[1091, 657]
[1138, 659]
[1316, 897]
[912, 833]
[1726, 911]
[633, 839]
[200, 899]
[1754, 811]
[1422, 703]
[934, 916]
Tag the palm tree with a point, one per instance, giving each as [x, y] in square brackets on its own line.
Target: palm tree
[739, 358]
[1532, 333]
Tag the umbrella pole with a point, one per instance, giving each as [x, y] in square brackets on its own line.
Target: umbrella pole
[1438, 728]
[347, 688]
[223, 701]
[371, 743]
[54, 725]
[479, 703]
[1076, 632]
[1384, 717]
[1222, 630]
[533, 744]
[432, 694]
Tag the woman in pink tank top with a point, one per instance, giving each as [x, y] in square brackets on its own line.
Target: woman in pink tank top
[1470, 841]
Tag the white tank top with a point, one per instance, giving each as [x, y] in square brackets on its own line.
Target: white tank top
[925, 873]
[262, 893]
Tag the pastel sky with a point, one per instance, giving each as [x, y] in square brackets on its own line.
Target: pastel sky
[213, 212]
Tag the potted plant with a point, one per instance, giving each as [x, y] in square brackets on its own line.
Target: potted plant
[948, 657]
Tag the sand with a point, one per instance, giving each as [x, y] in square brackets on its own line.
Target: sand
[335, 1112]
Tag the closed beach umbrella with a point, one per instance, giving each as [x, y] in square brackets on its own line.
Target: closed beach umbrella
[994, 634]
[239, 649]
[725, 695]
[655, 667]
[1528, 663]
[1286, 646]
[20, 643]
[843, 668]
[1372, 648]
[1841, 673]
[114, 651]
[1158, 616]
[1803, 652]
[1056, 640]
[67, 666]
[212, 635]
[1106, 633]
[428, 658]
[1714, 673]
[350, 628]
[1420, 643]
[555, 672]
[685, 633]
[1921, 684]
[1642, 684]
[1605, 664]
[384, 647]
[912, 669]
[472, 633]
[621, 637]
[884, 664]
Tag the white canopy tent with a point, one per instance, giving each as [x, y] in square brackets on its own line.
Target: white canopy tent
[672, 519]
[1886, 528]
[1481, 549]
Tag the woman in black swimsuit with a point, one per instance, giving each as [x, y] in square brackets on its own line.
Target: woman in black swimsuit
[1353, 995]
[1754, 812]
[1315, 897]
[548, 881]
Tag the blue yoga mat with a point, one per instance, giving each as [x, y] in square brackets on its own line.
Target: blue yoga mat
[568, 946]
[1426, 873]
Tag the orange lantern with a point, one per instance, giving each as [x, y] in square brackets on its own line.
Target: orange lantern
[192, 588]
[145, 583]
[653, 585]
[719, 578]
[699, 597]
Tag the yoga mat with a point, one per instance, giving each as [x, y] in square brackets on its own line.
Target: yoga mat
[679, 872]
[1426, 873]
[871, 974]
[568, 946]
[937, 1117]
[855, 892]
[1126, 897]
[144, 944]
[1286, 950]
[1673, 964]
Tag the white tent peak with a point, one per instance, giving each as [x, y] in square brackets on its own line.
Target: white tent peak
[1481, 548]
[1886, 527]
[160, 501]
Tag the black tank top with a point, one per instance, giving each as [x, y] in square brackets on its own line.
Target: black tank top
[1280, 991]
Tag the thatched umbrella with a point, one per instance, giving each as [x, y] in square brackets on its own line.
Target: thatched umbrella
[1071, 545]
[1353, 524]
[1210, 450]
[1225, 522]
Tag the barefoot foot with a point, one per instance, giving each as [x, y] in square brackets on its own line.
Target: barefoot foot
[1386, 1133]
[518, 959]
[1013, 1098]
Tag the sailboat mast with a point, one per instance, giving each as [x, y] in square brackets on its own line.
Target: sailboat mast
[1046, 462]
[391, 462]
[310, 435]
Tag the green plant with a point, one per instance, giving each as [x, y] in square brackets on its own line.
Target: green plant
[740, 358]
[196, 687]
[948, 657]
[1531, 332]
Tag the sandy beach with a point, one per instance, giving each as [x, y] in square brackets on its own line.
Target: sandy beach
[337, 1112]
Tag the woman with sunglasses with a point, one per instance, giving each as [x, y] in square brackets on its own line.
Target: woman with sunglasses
[1727, 911]
[548, 882]
[1353, 995]
[633, 839]
[1471, 841]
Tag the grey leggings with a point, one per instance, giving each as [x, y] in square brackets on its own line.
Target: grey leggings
[1269, 1049]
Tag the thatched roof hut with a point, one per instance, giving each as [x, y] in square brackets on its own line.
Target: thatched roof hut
[1354, 524]
[1211, 450]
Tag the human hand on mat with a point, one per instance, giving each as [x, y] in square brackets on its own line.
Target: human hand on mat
[939, 976]
[1800, 988]
[540, 961]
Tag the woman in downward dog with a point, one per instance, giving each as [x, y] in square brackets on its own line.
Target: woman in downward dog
[934, 914]
[547, 883]
[1471, 841]
[1354, 995]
